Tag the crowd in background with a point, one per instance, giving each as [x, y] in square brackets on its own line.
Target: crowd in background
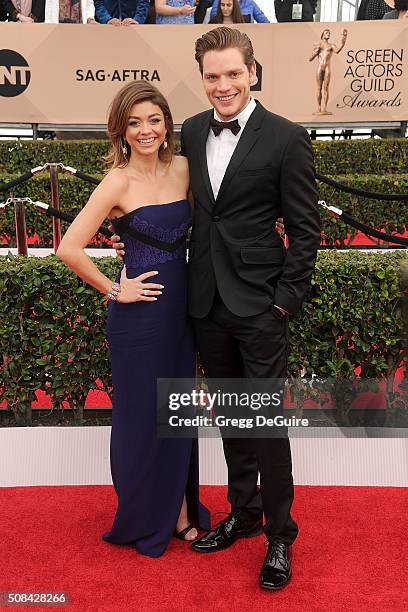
[135, 12]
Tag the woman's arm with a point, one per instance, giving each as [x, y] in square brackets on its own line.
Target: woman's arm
[85, 226]
[163, 9]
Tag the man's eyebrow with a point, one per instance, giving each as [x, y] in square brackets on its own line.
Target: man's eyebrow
[227, 72]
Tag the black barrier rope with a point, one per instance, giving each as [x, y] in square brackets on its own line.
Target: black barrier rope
[53, 212]
[373, 232]
[86, 177]
[333, 210]
[337, 212]
[403, 197]
[17, 181]
[368, 231]
[28, 175]
[388, 197]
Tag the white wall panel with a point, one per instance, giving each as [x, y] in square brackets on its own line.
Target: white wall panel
[80, 455]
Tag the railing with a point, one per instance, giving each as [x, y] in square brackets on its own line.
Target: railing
[52, 211]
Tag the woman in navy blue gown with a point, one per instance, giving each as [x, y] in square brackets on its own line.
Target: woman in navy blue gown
[145, 196]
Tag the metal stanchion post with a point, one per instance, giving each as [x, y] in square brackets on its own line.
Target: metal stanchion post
[21, 232]
[56, 223]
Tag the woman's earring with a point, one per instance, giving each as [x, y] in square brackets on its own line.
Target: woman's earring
[124, 149]
[164, 145]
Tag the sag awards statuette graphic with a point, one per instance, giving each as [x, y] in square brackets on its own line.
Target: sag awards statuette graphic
[324, 50]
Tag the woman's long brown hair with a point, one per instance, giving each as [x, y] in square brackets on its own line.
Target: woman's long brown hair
[118, 117]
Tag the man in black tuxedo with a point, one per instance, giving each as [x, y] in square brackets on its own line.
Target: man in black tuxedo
[248, 167]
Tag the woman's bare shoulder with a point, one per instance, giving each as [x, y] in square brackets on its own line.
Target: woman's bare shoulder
[115, 182]
[116, 177]
[180, 162]
[180, 165]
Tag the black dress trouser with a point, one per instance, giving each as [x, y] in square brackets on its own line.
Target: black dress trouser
[252, 347]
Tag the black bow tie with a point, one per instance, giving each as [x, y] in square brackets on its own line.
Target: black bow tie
[218, 126]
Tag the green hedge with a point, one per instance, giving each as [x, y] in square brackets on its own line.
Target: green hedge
[52, 329]
[74, 193]
[17, 157]
[370, 156]
[51, 333]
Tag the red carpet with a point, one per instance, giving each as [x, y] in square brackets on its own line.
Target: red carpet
[350, 555]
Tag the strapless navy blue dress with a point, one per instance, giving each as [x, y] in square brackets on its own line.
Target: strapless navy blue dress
[150, 340]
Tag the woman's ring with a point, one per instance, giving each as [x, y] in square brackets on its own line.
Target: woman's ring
[145, 292]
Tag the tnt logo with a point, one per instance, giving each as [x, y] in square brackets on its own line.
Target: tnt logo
[15, 73]
[257, 86]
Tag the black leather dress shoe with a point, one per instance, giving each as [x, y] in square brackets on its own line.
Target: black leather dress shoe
[277, 567]
[226, 533]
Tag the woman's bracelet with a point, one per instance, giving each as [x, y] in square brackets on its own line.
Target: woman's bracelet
[114, 292]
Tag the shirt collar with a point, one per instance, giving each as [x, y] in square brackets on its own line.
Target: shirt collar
[243, 116]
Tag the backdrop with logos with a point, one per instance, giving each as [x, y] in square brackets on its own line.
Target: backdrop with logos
[308, 72]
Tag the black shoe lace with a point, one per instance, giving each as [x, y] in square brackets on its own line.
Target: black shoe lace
[276, 553]
[228, 515]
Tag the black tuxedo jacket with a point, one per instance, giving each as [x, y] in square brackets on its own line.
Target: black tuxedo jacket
[234, 244]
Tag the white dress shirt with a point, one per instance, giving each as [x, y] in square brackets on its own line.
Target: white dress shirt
[220, 148]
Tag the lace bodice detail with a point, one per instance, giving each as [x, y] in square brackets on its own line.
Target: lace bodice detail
[162, 222]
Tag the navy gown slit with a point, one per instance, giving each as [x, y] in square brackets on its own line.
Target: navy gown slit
[150, 340]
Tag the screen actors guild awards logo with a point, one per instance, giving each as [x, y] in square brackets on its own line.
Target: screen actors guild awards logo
[323, 51]
[15, 73]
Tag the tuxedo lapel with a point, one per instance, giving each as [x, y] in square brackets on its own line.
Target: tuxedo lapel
[202, 156]
[249, 137]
